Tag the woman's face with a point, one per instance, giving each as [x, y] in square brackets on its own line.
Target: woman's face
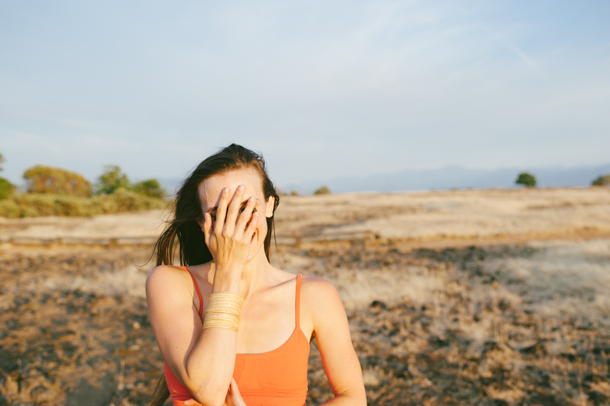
[209, 195]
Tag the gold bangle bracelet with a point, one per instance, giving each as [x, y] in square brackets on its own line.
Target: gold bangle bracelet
[214, 322]
[225, 301]
[225, 326]
[219, 323]
[213, 299]
[223, 304]
[221, 316]
[226, 316]
[223, 310]
[221, 320]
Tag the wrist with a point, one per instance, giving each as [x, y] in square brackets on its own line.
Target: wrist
[226, 281]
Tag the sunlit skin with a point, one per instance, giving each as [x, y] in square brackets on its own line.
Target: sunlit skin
[234, 224]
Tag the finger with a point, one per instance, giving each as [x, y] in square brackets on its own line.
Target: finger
[244, 216]
[192, 402]
[233, 210]
[251, 228]
[221, 210]
[235, 390]
[234, 387]
[207, 227]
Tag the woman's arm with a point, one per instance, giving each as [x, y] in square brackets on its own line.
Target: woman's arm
[181, 339]
[203, 360]
[331, 330]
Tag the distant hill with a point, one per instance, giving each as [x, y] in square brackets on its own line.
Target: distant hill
[454, 177]
[449, 177]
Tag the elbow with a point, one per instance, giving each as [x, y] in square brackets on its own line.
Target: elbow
[355, 398]
[209, 395]
[206, 400]
[207, 389]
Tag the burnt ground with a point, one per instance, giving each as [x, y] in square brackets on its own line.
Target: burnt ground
[473, 343]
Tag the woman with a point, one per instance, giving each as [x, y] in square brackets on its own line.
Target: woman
[252, 345]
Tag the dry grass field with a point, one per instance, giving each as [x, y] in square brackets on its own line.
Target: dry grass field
[454, 298]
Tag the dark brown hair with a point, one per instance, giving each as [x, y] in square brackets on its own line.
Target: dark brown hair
[183, 231]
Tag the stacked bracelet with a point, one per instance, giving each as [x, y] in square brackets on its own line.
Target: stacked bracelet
[223, 311]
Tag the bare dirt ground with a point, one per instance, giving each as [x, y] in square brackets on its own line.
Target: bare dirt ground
[430, 218]
[454, 298]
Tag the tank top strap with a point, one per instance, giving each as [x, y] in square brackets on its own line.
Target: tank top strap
[198, 291]
[298, 302]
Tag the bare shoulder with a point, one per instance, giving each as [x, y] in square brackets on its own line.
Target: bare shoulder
[319, 293]
[311, 285]
[165, 277]
[323, 310]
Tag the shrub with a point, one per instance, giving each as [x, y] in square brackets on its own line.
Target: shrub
[6, 188]
[324, 190]
[150, 187]
[36, 204]
[124, 200]
[40, 204]
[44, 179]
[111, 180]
[601, 181]
[526, 179]
[9, 209]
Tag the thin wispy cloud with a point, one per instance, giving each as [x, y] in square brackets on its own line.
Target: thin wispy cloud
[323, 89]
[525, 58]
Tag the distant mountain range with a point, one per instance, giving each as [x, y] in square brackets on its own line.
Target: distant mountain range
[449, 177]
[454, 177]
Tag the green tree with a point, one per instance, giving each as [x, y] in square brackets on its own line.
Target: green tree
[111, 179]
[6, 188]
[44, 179]
[603, 180]
[526, 179]
[150, 187]
[323, 190]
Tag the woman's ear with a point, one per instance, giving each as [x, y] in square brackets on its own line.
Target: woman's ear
[269, 205]
[201, 225]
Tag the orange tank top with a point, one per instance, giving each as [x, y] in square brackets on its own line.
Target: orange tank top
[273, 378]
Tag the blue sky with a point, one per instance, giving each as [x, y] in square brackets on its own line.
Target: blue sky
[323, 89]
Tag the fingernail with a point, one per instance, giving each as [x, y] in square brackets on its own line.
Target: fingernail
[252, 198]
[255, 214]
[240, 187]
[225, 190]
